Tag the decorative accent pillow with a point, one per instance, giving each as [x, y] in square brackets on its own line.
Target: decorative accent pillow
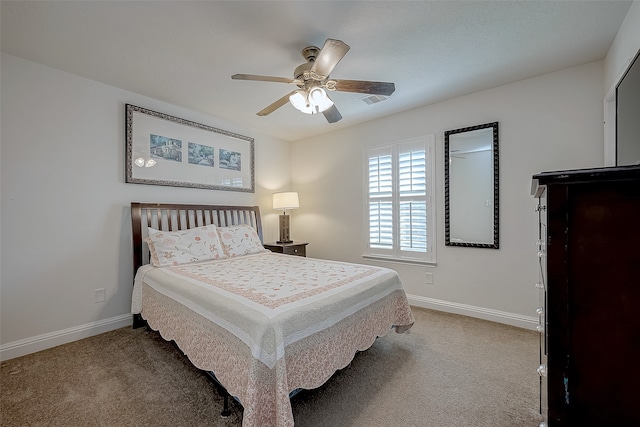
[240, 240]
[184, 246]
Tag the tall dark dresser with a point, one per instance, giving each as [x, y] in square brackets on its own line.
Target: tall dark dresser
[590, 279]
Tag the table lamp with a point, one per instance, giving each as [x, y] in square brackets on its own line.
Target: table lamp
[284, 201]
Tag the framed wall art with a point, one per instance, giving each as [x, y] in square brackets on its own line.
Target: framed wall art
[167, 150]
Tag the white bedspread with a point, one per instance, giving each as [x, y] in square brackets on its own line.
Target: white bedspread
[268, 323]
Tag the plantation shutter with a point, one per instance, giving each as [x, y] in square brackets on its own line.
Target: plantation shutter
[381, 201]
[412, 200]
[399, 186]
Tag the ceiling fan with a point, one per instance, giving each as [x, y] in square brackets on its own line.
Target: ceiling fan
[312, 79]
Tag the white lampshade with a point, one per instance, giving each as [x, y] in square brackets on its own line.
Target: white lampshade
[299, 100]
[286, 200]
[319, 100]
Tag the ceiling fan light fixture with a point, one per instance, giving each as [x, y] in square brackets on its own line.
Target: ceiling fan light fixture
[300, 101]
[317, 95]
[319, 100]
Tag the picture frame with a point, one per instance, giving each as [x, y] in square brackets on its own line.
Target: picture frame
[166, 150]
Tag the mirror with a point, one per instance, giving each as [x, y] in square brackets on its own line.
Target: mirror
[471, 186]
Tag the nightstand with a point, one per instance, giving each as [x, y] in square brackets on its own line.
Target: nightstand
[294, 248]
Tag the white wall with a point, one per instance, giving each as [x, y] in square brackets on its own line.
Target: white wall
[64, 215]
[622, 51]
[549, 122]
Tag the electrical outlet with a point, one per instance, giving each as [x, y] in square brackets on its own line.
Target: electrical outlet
[428, 278]
[99, 295]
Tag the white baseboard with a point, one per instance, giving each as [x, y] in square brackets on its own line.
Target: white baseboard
[52, 339]
[527, 322]
[42, 342]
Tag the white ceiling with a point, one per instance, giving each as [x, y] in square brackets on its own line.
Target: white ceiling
[184, 53]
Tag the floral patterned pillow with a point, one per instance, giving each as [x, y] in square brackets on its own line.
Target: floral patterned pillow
[184, 246]
[240, 240]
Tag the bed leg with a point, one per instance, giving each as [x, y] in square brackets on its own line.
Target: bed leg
[226, 413]
[138, 321]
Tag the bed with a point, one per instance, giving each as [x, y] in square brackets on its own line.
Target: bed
[265, 323]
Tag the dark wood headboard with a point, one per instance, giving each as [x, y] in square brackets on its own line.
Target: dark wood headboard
[169, 217]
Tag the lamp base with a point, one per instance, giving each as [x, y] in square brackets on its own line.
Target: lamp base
[284, 241]
[284, 229]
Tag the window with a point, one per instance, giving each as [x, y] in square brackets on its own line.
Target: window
[400, 184]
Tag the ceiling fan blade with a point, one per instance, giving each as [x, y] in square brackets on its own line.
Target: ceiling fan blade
[332, 114]
[274, 106]
[330, 54]
[262, 78]
[362, 86]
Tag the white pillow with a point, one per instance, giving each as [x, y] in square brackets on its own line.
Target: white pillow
[184, 246]
[240, 240]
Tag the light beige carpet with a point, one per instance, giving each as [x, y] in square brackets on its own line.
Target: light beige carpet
[449, 371]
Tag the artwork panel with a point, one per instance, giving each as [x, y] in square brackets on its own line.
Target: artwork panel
[202, 155]
[157, 143]
[231, 160]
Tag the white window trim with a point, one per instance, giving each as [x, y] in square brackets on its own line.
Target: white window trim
[428, 258]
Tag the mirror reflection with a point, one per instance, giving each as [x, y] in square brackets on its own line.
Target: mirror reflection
[471, 186]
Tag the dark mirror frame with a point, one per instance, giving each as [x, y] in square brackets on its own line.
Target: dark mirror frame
[495, 155]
